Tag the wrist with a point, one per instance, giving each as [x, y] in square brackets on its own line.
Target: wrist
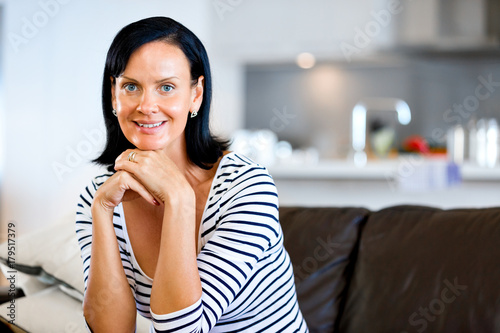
[101, 209]
[184, 197]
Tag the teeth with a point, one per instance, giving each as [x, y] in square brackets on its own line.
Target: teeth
[150, 125]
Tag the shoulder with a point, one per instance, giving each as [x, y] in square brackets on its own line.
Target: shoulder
[247, 199]
[238, 179]
[97, 181]
[236, 169]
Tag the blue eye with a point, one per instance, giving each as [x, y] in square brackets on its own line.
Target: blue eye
[130, 87]
[166, 88]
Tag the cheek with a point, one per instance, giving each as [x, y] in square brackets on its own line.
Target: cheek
[178, 106]
[125, 102]
[124, 124]
[177, 110]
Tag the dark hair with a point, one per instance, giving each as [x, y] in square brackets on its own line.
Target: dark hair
[202, 147]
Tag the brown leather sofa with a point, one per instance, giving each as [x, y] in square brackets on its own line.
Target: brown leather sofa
[400, 269]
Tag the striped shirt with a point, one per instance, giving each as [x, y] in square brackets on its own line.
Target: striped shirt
[246, 274]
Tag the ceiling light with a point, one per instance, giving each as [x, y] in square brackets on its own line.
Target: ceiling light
[306, 60]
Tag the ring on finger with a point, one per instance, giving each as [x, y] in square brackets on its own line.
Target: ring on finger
[131, 157]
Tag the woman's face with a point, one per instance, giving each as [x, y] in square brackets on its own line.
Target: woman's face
[154, 95]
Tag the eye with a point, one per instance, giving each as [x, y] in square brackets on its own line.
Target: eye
[130, 87]
[166, 88]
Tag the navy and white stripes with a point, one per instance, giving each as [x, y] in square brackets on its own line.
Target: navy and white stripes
[246, 274]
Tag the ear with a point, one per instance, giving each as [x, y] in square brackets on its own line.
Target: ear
[197, 94]
[113, 97]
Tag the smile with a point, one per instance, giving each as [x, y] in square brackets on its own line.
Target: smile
[150, 125]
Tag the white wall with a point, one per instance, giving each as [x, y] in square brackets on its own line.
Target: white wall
[51, 111]
[263, 30]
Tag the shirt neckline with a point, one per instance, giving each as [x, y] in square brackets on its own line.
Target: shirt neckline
[210, 195]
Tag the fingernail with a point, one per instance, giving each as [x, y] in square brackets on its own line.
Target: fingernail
[156, 202]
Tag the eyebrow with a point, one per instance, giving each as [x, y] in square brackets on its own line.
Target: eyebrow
[158, 81]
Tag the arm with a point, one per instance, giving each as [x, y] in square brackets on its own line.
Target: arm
[109, 304]
[247, 229]
[176, 282]
[190, 294]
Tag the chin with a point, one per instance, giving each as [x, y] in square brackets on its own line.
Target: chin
[148, 145]
[153, 143]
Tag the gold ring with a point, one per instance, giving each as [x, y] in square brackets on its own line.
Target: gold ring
[131, 157]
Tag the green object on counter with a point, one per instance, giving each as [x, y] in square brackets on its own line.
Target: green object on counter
[382, 141]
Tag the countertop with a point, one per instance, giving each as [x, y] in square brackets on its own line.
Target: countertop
[376, 169]
[406, 180]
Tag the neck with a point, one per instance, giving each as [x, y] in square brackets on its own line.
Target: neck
[193, 173]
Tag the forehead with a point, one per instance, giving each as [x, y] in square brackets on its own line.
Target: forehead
[158, 58]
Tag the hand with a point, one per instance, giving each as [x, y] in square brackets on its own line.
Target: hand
[122, 186]
[157, 173]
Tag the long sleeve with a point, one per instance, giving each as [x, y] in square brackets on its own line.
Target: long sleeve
[83, 226]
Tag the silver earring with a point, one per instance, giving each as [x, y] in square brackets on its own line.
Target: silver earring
[194, 114]
[114, 112]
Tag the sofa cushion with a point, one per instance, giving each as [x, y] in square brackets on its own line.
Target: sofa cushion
[50, 310]
[425, 269]
[320, 242]
[51, 255]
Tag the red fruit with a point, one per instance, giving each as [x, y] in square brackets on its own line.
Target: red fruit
[416, 143]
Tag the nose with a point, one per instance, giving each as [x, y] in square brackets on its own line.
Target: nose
[148, 103]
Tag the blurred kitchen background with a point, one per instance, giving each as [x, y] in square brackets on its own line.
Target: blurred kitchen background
[363, 103]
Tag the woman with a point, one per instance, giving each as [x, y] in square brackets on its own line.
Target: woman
[180, 230]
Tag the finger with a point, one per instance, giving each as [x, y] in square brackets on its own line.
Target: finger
[134, 185]
[124, 155]
[127, 160]
[129, 155]
[147, 171]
